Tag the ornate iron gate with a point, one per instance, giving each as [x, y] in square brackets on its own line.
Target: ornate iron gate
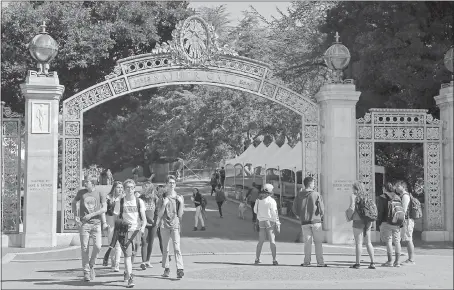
[409, 126]
[11, 171]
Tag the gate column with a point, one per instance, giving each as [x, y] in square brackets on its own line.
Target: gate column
[338, 156]
[445, 103]
[42, 92]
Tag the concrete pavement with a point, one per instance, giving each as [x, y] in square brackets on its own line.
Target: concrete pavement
[223, 256]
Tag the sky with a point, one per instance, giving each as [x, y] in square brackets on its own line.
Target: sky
[266, 9]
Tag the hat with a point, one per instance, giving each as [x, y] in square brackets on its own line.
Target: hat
[268, 188]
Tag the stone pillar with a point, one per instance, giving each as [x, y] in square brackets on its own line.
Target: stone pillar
[338, 151]
[445, 103]
[42, 94]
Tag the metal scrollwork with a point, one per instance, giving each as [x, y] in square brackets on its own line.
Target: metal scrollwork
[12, 175]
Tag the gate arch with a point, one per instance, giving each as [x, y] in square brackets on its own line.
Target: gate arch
[192, 57]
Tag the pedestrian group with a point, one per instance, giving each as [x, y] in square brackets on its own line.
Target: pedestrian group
[135, 219]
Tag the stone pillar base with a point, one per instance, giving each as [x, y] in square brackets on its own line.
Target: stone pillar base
[340, 236]
[30, 240]
[436, 236]
[5, 241]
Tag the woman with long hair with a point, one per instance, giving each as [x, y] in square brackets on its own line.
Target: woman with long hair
[161, 193]
[150, 199]
[114, 196]
[361, 228]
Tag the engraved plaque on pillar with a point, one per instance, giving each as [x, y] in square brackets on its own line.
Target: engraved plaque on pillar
[40, 118]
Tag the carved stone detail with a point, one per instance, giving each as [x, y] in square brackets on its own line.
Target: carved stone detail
[72, 128]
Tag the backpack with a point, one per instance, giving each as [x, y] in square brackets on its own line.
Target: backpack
[122, 201]
[396, 214]
[204, 202]
[414, 208]
[366, 208]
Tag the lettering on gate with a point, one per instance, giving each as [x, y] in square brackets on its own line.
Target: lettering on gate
[154, 78]
[342, 185]
[39, 185]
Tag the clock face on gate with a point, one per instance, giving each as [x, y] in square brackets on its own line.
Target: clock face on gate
[194, 39]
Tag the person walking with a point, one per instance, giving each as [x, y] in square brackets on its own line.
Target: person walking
[88, 219]
[150, 200]
[220, 199]
[197, 199]
[222, 175]
[268, 222]
[131, 210]
[218, 178]
[161, 193]
[169, 217]
[409, 224]
[251, 197]
[213, 183]
[308, 206]
[361, 228]
[390, 219]
[112, 198]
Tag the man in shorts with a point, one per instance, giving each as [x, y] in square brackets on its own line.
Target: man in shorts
[389, 233]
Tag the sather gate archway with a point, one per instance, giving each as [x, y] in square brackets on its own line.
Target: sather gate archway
[192, 57]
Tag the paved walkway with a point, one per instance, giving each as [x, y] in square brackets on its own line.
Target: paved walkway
[222, 257]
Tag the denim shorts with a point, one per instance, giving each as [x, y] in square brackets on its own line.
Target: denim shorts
[360, 224]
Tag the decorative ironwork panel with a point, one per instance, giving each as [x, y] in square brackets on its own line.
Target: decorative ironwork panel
[364, 132]
[119, 86]
[72, 128]
[366, 165]
[433, 184]
[399, 133]
[268, 89]
[75, 106]
[11, 154]
[71, 182]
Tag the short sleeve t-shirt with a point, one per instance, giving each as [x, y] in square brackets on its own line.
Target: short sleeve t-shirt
[90, 202]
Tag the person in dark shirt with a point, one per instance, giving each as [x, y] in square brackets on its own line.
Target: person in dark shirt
[222, 174]
[197, 198]
[150, 199]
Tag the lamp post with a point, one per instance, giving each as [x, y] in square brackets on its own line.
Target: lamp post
[43, 48]
[337, 58]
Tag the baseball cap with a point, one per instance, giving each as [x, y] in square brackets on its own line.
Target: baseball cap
[268, 188]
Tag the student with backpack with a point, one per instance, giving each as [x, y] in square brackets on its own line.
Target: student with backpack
[131, 211]
[390, 219]
[150, 200]
[198, 199]
[364, 213]
[308, 206]
[412, 209]
[169, 217]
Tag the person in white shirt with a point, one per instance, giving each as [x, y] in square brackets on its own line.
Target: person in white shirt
[266, 209]
[409, 225]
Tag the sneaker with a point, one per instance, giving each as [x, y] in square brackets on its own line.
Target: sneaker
[130, 281]
[305, 264]
[116, 269]
[387, 264]
[396, 265]
[322, 265]
[166, 273]
[195, 229]
[257, 261]
[408, 262]
[143, 266]
[372, 266]
[275, 263]
[87, 277]
[355, 266]
[92, 273]
[180, 273]
[203, 229]
[149, 265]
